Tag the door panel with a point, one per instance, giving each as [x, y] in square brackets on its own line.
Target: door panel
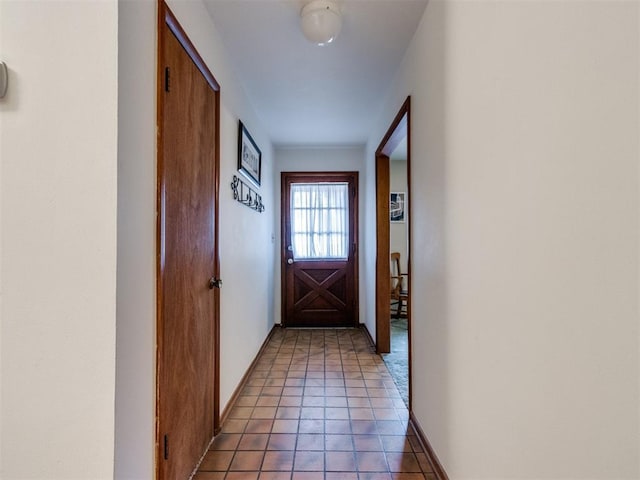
[187, 306]
[319, 292]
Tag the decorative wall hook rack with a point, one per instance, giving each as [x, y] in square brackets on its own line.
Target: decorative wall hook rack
[246, 195]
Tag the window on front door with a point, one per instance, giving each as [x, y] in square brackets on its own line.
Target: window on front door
[320, 220]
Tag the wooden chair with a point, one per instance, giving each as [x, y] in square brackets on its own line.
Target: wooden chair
[399, 288]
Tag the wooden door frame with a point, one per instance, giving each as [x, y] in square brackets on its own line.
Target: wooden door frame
[399, 128]
[319, 177]
[166, 19]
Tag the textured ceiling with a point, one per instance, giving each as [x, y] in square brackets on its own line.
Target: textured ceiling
[310, 95]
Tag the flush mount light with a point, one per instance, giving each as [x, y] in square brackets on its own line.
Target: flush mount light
[321, 21]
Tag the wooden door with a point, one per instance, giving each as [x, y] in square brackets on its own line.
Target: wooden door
[319, 285]
[188, 303]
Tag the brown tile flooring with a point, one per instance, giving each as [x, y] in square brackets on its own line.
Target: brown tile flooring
[320, 405]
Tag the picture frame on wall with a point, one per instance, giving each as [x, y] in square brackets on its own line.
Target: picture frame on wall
[397, 207]
[249, 155]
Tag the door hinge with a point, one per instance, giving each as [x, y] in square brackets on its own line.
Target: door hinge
[166, 79]
[166, 448]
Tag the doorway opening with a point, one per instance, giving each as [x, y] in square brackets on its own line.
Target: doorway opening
[393, 250]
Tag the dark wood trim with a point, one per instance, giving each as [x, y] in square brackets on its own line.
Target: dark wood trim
[432, 458]
[383, 281]
[396, 131]
[162, 9]
[166, 18]
[243, 381]
[283, 235]
[407, 106]
[178, 31]
[356, 253]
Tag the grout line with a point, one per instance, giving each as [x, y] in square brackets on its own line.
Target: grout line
[349, 357]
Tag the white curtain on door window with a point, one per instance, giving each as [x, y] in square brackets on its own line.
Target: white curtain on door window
[320, 220]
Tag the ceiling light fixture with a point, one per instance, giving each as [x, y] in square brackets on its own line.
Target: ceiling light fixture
[321, 21]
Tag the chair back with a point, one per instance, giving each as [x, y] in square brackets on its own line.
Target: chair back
[396, 275]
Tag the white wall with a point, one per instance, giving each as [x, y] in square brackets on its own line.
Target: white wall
[136, 286]
[525, 249]
[398, 230]
[246, 248]
[58, 153]
[315, 159]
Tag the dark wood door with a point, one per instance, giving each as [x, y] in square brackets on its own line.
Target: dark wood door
[187, 303]
[319, 279]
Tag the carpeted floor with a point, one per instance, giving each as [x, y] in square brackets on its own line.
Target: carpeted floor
[398, 360]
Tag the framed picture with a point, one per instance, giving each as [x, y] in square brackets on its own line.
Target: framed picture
[249, 155]
[397, 207]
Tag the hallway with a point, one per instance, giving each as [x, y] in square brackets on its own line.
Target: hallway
[319, 405]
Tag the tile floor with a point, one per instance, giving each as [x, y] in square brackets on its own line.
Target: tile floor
[397, 361]
[320, 405]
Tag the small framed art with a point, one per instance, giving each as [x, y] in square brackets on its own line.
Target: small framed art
[249, 155]
[397, 207]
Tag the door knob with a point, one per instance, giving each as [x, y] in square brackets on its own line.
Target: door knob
[290, 261]
[214, 283]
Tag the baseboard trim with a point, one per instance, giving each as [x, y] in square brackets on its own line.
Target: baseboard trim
[363, 326]
[436, 466]
[245, 378]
